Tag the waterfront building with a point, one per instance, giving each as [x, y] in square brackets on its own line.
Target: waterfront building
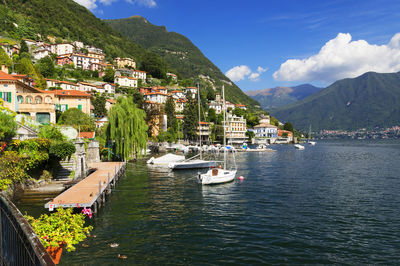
[265, 133]
[204, 130]
[285, 135]
[236, 129]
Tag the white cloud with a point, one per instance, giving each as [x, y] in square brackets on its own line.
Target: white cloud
[92, 4]
[147, 3]
[343, 58]
[238, 73]
[89, 4]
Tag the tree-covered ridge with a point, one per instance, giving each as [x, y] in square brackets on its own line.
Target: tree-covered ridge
[179, 52]
[368, 101]
[68, 20]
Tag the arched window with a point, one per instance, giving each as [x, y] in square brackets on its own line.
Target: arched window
[38, 99]
[48, 99]
[28, 99]
[20, 99]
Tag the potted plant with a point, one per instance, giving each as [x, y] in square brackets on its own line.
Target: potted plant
[60, 229]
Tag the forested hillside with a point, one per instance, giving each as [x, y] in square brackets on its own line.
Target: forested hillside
[179, 52]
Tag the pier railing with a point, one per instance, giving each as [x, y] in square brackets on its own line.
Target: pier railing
[19, 244]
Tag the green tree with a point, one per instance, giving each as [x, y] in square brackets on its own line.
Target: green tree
[171, 114]
[190, 120]
[23, 47]
[4, 59]
[99, 104]
[51, 132]
[250, 135]
[127, 127]
[25, 66]
[78, 119]
[212, 115]
[46, 67]
[288, 126]
[8, 127]
[239, 112]
[109, 75]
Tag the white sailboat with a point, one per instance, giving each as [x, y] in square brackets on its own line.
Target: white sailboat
[219, 175]
[309, 138]
[193, 163]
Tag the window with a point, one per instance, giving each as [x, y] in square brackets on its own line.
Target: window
[38, 100]
[6, 96]
[28, 99]
[80, 107]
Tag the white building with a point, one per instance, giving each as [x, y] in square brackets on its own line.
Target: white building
[265, 133]
[84, 61]
[177, 94]
[87, 87]
[64, 85]
[156, 97]
[40, 53]
[236, 129]
[62, 48]
[216, 106]
[180, 105]
[193, 90]
[126, 81]
[139, 74]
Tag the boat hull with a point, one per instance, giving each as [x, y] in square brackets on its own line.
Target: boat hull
[192, 165]
[222, 176]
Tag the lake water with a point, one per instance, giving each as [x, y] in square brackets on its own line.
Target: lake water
[337, 202]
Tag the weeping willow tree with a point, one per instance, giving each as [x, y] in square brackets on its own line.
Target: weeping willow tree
[127, 127]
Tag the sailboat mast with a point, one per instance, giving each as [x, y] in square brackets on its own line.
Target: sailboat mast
[224, 110]
[198, 103]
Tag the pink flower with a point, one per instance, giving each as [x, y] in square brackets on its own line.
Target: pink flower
[87, 212]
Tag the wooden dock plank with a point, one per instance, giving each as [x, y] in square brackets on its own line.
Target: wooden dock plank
[87, 191]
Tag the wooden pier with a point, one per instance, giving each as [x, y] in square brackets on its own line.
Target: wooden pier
[90, 192]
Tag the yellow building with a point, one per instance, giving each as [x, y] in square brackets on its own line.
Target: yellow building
[124, 62]
[65, 99]
[25, 99]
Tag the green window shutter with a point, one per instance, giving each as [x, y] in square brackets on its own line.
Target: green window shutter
[9, 97]
[66, 107]
[80, 107]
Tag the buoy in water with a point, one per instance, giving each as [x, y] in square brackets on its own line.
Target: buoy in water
[241, 178]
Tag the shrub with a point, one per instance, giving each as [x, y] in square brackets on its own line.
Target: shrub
[51, 132]
[11, 169]
[62, 150]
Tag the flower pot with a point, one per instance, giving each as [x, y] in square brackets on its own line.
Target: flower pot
[55, 252]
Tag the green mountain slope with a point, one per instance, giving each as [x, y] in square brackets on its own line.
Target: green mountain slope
[68, 20]
[370, 100]
[179, 52]
[281, 96]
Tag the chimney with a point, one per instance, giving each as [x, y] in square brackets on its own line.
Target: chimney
[4, 68]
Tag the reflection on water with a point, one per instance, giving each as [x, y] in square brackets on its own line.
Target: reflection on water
[333, 203]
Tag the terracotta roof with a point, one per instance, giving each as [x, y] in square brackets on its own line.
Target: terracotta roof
[176, 91]
[111, 101]
[266, 125]
[71, 93]
[151, 102]
[204, 123]
[240, 105]
[140, 71]
[5, 76]
[86, 135]
[191, 88]
[156, 93]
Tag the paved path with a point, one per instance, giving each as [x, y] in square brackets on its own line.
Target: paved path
[86, 192]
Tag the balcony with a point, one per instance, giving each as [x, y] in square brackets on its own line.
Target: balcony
[35, 102]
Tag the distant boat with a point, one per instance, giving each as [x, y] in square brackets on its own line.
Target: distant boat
[309, 138]
[299, 147]
[220, 175]
[165, 160]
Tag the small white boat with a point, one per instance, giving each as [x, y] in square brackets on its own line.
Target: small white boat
[220, 175]
[299, 147]
[192, 164]
[165, 160]
[216, 176]
[312, 143]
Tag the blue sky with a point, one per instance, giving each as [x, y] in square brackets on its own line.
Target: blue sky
[262, 44]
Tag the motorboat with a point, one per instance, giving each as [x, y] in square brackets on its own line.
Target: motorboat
[299, 147]
[166, 159]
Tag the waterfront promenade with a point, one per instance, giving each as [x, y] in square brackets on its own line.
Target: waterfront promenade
[91, 191]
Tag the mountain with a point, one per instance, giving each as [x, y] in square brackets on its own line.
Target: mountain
[71, 21]
[370, 100]
[179, 52]
[281, 96]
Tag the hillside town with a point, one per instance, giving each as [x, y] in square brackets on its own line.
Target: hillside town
[109, 80]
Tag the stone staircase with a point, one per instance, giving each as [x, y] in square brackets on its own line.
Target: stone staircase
[65, 170]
